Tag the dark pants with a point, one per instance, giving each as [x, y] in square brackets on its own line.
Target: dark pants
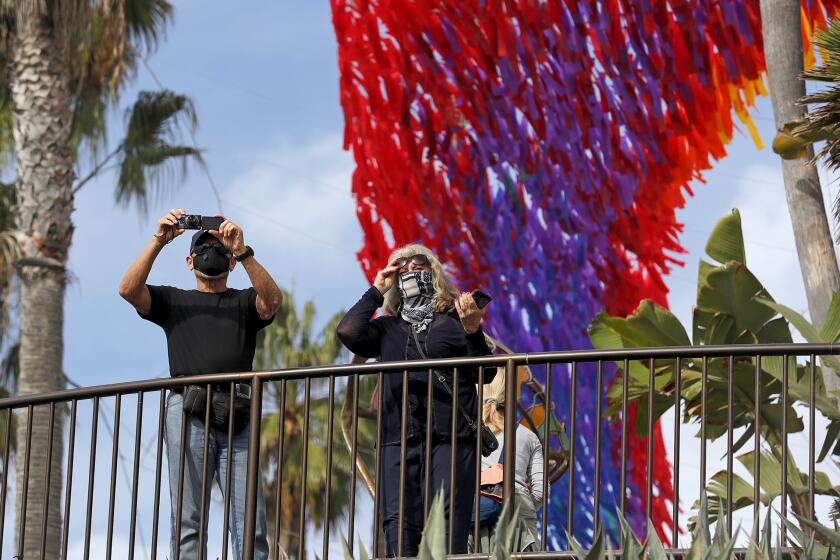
[461, 500]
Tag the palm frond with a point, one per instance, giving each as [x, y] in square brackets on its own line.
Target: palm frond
[834, 511]
[827, 41]
[146, 21]
[89, 123]
[823, 119]
[822, 122]
[104, 48]
[150, 155]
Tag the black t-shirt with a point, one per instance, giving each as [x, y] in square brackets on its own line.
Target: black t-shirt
[207, 332]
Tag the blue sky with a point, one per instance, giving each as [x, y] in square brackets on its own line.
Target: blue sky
[265, 83]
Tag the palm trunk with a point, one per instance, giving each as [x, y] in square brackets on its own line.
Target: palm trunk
[40, 89]
[780, 23]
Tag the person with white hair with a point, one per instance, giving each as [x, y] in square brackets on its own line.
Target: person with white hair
[528, 472]
[424, 317]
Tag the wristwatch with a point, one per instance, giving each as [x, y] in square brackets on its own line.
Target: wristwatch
[248, 252]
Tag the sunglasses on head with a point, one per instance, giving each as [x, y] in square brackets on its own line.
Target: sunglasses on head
[418, 259]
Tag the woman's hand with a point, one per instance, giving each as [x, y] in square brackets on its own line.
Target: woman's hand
[384, 280]
[468, 312]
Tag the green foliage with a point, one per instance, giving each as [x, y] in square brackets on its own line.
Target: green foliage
[292, 342]
[149, 154]
[819, 543]
[433, 542]
[506, 528]
[348, 554]
[146, 21]
[828, 333]
[104, 42]
[733, 307]
[702, 547]
[814, 540]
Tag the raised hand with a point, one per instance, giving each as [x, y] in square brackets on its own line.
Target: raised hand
[385, 278]
[231, 236]
[166, 226]
[469, 313]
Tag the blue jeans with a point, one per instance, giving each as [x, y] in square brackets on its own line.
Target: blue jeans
[217, 456]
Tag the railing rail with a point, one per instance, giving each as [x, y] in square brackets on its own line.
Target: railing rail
[562, 370]
[529, 359]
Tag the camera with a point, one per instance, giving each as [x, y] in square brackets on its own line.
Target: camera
[196, 221]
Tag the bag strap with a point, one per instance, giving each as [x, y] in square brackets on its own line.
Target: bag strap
[442, 381]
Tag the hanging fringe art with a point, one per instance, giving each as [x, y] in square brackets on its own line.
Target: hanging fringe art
[541, 148]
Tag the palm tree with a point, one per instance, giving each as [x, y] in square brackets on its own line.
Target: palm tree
[289, 343]
[822, 123]
[783, 54]
[64, 64]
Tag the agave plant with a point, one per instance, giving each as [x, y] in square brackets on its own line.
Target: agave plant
[703, 546]
[433, 542]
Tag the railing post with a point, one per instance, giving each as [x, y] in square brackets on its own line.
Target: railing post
[253, 468]
[510, 436]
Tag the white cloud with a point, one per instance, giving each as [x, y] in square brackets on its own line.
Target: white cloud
[300, 196]
[296, 206]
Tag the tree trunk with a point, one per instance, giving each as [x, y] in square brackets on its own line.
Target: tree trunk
[40, 89]
[781, 28]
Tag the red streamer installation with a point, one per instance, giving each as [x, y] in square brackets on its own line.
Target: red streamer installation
[541, 148]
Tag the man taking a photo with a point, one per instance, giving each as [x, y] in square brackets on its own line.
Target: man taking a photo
[210, 329]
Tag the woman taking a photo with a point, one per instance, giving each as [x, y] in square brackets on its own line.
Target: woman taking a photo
[424, 317]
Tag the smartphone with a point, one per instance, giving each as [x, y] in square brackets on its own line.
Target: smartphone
[481, 299]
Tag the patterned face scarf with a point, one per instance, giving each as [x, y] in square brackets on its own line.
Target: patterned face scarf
[418, 301]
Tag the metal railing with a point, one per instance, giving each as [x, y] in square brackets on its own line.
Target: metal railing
[573, 370]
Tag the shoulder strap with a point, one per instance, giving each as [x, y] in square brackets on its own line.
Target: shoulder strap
[442, 381]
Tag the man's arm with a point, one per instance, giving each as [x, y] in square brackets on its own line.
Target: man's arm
[133, 287]
[269, 295]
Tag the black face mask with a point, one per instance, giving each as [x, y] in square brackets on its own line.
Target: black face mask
[212, 260]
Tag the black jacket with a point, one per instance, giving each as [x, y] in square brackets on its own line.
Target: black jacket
[390, 339]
